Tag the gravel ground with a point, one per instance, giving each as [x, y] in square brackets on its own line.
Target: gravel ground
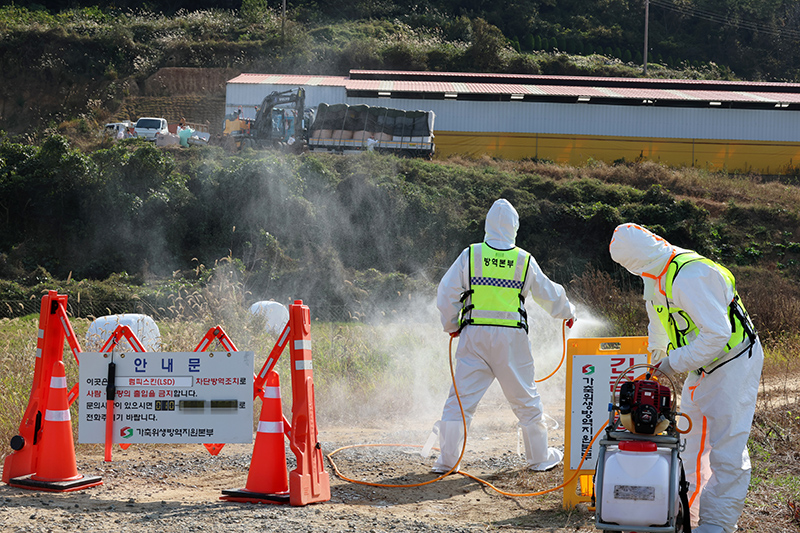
[164, 488]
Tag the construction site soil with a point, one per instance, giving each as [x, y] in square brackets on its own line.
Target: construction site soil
[196, 94]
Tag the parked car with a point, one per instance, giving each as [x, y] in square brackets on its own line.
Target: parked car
[148, 127]
[117, 129]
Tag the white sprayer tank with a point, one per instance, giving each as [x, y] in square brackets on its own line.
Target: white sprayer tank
[635, 484]
[143, 326]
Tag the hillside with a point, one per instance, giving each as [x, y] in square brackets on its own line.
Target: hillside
[90, 209]
[196, 94]
[76, 69]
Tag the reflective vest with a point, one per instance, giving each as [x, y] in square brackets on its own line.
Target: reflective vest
[494, 297]
[679, 325]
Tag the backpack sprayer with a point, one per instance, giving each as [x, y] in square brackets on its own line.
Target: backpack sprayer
[639, 481]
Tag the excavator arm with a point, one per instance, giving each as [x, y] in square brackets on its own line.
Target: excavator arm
[262, 125]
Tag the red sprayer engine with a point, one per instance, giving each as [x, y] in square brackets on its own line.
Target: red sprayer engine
[645, 406]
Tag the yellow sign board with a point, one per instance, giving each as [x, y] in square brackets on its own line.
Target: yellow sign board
[593, 366]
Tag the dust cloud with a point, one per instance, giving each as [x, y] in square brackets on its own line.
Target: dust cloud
[409, 396]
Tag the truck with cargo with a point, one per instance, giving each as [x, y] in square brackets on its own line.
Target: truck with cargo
[346, 128]
[282, 120]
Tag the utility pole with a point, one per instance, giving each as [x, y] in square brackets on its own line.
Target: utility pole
[283, 23]
[646, 24]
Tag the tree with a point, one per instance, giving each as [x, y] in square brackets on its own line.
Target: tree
[529, 42]
[487, 46]
[626, 56]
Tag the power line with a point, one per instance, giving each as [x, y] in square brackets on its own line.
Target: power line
[711, 16]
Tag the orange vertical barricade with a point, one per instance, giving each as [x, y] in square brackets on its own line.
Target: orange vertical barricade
[22, 461]
[56, 469]
[308, 483]
[22, 465]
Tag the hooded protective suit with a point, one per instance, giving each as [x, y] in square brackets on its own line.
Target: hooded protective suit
[486, 352]
[720, 400]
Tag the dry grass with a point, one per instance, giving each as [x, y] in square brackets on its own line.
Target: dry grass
[774, 450]
[697, 184]
[624, 308]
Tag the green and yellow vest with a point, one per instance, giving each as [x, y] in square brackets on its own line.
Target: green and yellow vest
[680, 326]
[494, 297]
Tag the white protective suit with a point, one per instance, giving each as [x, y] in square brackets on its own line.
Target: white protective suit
[721, 403]
[488, 352]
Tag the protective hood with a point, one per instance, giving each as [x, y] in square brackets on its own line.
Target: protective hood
[641, 251]
[502, 223]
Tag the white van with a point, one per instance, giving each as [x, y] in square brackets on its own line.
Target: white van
[148, 127]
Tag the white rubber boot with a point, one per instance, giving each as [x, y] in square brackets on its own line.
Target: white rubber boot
[451, 439]
[554, 458]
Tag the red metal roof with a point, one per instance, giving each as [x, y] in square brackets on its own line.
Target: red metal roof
[439, 83]
[289, 79]
[549, 79]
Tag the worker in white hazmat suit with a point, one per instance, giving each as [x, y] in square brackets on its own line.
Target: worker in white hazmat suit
[698, 325]
[481, 297]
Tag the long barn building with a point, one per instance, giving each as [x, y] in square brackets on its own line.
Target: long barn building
[719, 125]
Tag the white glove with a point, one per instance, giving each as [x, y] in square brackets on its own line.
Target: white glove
[665, 367]
[656, 356]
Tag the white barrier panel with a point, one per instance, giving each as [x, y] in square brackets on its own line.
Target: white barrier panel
[168, 397]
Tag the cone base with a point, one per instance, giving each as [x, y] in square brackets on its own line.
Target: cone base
[248, 496]
[28, 482]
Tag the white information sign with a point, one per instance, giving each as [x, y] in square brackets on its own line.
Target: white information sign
[593, 377]
[168, 397]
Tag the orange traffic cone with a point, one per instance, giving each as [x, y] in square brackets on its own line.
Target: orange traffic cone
[268, 479]
[56, 469]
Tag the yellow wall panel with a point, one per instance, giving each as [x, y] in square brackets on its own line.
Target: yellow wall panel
[733, 156]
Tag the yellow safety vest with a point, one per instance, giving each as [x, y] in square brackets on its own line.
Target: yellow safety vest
[494, 297]
[680, 326]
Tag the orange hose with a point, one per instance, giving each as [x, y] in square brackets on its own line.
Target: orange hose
[563, 352]
[464, 446]
[689, 420]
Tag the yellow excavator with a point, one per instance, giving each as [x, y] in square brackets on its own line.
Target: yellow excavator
[279, 123]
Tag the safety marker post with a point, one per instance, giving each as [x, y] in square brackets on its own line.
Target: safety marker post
[593, 365]
[267, 479]
[56, 468]
[120, 332]
[308, 483]
[35, 430]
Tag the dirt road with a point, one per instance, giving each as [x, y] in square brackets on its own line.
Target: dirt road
[177, 488]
